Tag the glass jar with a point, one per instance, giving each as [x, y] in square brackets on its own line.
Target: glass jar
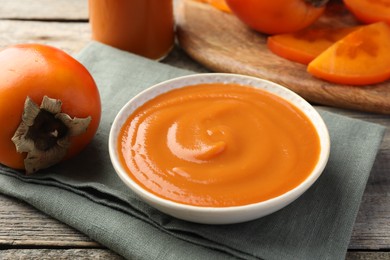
[143, 27]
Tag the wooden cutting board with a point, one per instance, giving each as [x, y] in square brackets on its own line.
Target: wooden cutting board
[222, 43]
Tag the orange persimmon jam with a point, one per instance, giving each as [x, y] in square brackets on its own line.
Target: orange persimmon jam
[218, 145]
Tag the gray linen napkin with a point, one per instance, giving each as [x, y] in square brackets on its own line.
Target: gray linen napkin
[85, 192]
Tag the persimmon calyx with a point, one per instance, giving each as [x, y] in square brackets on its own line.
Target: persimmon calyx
[317, 3]
[44, 133]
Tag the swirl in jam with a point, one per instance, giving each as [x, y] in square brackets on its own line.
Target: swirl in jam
[218, 145]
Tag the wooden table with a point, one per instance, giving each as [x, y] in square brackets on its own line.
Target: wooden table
[26, 233]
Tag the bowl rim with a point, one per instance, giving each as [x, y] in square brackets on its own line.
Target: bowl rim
[199, 78]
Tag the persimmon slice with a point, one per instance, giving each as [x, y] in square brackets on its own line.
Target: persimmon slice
[360, 58]
[307, 44]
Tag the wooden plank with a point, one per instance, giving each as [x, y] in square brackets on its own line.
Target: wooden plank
[44, 9]
[23, 225]
[368, 255]
[371, 229]
[70, 36]
[22, 254]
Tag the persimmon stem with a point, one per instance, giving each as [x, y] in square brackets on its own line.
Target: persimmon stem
[317, 3]
[46, 130]
[44, 133]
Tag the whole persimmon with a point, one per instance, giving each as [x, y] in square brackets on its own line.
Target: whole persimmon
[49, 106]
[277, 16]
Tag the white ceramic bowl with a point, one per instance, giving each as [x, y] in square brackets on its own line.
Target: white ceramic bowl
[219, 215]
